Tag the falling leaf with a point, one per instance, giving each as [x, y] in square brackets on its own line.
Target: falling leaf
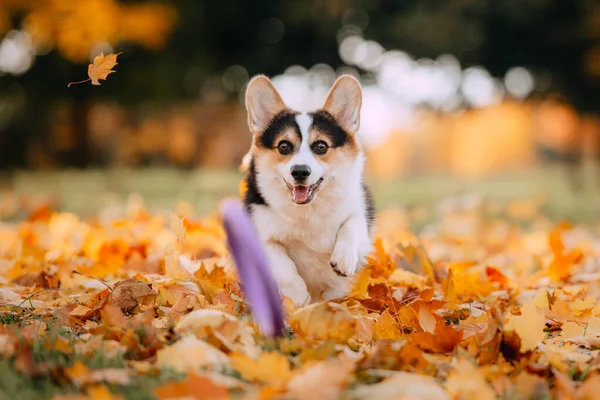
[100, 68]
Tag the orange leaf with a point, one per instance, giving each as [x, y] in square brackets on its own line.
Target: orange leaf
[101, 67]
[193, 387]
[443, 340]
[496, 276]
[270, 368]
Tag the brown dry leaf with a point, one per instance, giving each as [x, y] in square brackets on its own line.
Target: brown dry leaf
[130, 293]
[270, 368]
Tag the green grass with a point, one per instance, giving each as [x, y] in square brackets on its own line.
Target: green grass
[15, 384]
[85, 192]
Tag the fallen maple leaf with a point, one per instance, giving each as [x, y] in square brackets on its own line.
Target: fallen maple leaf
[270, 368]
[100, 68]
[445, 338]
[324, 321]
[529, 326]
[387, 327]
[195, 386]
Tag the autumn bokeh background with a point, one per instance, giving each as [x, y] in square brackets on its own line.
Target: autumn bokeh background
[459, 96]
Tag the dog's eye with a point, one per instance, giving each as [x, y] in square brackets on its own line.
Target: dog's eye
[284, 147]
[320, 147]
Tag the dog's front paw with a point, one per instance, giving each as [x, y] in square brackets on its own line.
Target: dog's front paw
[344, 260]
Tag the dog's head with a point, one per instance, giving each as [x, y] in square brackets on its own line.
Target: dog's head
[301, 154]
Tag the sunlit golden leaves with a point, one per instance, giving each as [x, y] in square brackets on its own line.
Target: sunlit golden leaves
[453, 317]
[75, 27]
[324, 321]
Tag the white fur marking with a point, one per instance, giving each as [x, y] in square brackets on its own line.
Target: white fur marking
[304, 121]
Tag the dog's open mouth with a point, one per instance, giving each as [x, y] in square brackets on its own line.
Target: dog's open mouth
[303, 194]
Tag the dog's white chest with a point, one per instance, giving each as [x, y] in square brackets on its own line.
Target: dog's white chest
[309, 241]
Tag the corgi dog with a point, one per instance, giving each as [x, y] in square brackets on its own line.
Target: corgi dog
[305, 190]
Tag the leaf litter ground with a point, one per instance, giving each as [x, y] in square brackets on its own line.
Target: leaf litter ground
[131, 304]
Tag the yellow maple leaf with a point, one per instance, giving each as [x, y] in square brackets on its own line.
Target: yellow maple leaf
[271, 368]
[324, 321]
[529, 326]
[100, 68]
[387, 327]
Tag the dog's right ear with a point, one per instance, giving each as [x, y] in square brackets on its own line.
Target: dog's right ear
[263, 103]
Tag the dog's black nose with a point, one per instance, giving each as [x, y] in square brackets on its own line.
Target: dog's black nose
[300, 172]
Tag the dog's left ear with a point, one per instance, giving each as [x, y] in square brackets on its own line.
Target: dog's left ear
[263, 102]
[344, 101]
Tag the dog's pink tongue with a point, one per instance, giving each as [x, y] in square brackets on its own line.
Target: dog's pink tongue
[300, 194]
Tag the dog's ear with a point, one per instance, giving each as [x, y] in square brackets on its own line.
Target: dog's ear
[263, 103]
[344, 101]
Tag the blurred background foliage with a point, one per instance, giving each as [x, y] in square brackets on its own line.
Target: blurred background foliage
[461, 87]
